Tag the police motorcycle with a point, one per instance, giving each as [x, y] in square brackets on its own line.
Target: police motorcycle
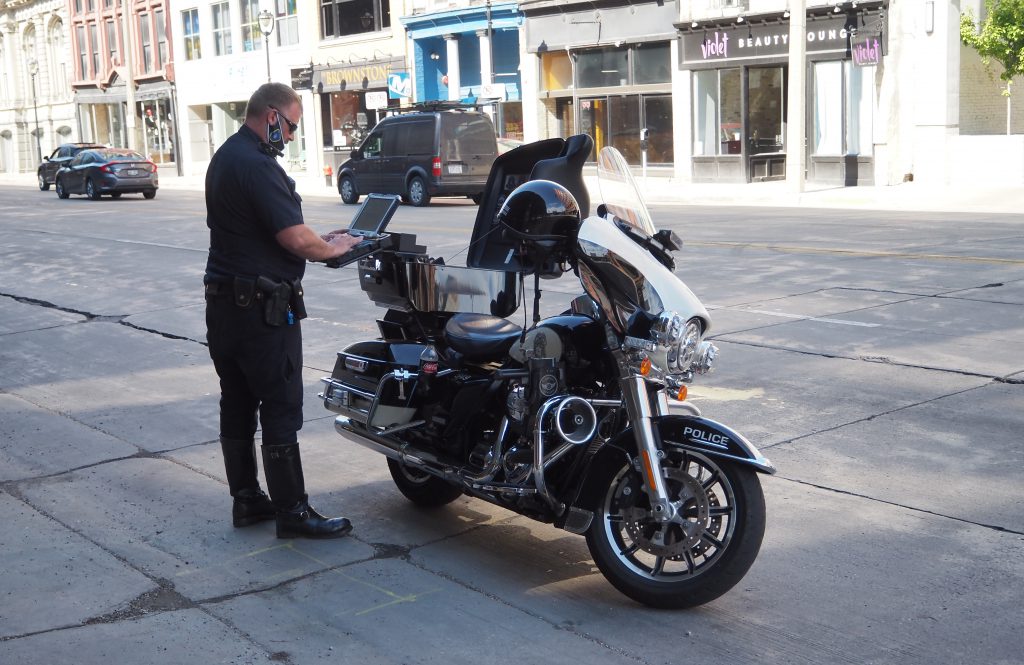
[567, 420]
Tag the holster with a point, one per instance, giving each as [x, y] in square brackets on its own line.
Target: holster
[276, 300]
[297, 303]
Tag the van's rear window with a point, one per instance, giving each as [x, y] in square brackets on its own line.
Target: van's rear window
[475, 137]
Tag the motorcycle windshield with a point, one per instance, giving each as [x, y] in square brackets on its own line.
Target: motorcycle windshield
[619, 192]
[618, 273]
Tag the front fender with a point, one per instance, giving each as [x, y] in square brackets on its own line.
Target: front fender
[712, 438]
[693, 433]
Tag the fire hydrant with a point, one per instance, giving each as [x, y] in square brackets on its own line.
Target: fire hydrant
[328, 172]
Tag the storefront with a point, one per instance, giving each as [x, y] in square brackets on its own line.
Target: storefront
[102, 119]
[740, 82]
[471, 54]
[353, 98]
[607, 73]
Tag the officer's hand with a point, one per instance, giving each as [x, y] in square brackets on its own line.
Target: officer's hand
[342, 243]
[330, 234]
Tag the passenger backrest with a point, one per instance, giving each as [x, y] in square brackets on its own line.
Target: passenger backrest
[567, 169]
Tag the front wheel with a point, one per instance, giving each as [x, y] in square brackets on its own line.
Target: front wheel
[422, 488]
[698, 555]
[62, 192]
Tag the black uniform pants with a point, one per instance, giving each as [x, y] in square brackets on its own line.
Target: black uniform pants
[260, 370]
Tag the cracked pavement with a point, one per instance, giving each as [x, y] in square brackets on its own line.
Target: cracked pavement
[875, 358]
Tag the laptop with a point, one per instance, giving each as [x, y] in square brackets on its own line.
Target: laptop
[373, 216]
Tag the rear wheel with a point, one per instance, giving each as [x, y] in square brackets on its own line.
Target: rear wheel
[62, 192]
[149, 193]
[422, 488]
[347, 189]
[418, 195]
[477, 198]
[91, 191]
[43, 185]
[693, 558]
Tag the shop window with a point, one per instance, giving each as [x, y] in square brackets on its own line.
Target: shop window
[339, 18]
[346, 119]
[252, 38]
[616, 121]
[718, 112]
[221, 16]
[556, 71]
[844, 105]
[652, 63]
[156, 117]
[765, 97]
[600, 68]
[287, 22]
[860, 109]
[190, 32]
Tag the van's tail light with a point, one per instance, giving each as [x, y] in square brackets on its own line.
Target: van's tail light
[436, 170]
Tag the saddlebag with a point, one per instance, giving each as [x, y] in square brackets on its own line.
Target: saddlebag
[375, 383]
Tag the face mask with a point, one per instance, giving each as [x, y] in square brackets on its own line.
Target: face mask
[275, 135]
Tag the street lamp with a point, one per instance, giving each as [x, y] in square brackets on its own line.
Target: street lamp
[266, 20]
[33, 69]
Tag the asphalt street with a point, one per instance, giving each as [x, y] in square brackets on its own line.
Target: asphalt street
[875, 358]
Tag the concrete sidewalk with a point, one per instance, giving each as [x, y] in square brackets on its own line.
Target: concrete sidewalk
[660, 190]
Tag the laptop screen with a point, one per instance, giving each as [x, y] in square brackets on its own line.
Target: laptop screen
[373, 215]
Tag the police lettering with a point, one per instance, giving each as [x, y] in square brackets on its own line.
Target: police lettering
[704, 436]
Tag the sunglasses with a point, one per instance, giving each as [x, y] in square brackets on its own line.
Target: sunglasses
[292, 127]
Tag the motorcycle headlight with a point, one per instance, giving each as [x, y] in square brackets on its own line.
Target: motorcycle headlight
[674, 351]
[677, 342]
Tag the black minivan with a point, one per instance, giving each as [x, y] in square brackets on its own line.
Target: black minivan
[419, 155]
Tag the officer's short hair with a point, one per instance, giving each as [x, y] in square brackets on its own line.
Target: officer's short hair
[267, 95]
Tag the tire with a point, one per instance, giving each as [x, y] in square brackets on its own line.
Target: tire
[43, 185]
[422, 488]
[91, 191]
[418, 195]
[115, 195]
[149, 194]
[476, 198]
[62, 192]
[704, 552]
[347, 189]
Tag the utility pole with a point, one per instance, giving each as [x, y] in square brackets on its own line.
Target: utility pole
[129, 79]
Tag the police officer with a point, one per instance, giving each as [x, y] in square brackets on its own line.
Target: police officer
[259, 246]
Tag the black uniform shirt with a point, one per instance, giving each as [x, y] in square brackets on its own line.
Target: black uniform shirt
[249, 199]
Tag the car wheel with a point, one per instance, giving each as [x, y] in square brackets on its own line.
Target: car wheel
[43, 185]
[115, 195]
[418, 195]
[62, 193]
[347, 189]
[91, 191]
[477, 198]
[149, 194]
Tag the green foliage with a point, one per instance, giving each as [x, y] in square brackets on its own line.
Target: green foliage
[1001, 37]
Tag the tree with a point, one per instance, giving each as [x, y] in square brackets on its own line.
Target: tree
[1000, 37]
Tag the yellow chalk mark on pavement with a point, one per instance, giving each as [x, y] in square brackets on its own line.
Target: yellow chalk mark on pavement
[725, 394]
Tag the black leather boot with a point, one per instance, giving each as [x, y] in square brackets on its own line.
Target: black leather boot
[251, 505]
[295, 517]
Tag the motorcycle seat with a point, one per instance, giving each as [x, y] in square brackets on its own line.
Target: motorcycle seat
[480, 336]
